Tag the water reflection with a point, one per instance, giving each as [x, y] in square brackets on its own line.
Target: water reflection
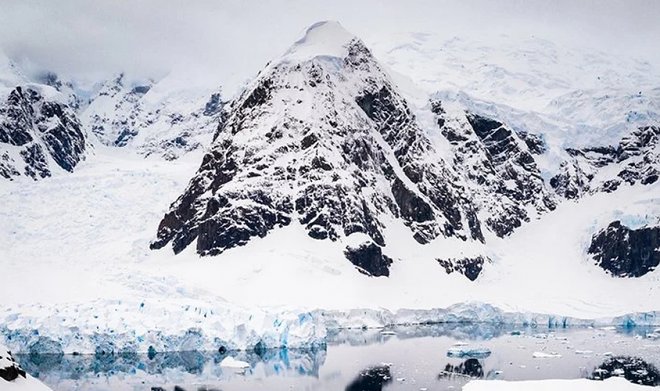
[271, 362]
[417, 354]
[371, 379]
[459, 331]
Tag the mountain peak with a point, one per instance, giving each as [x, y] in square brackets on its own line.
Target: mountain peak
[322, 39]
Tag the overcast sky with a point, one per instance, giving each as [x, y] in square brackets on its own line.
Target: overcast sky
[233, 39]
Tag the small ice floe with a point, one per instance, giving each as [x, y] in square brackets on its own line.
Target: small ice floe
[654, 335]
[584, 352]
[469, 352]
[231, 362]
[460, 343]
[546, 355]
[608, 328]
[387, 332]
[607, 354]
[400, 379]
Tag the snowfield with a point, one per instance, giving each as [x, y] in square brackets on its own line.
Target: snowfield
[80, 272]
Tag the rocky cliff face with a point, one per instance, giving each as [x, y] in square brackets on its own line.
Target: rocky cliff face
[626, 252]
[38, 132]
[324, 139]
[636, 160]
[498, 167]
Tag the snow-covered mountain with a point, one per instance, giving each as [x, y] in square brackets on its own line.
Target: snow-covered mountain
[636, 159]
[160, 117]
[39, 130]
[326, 139]
[329, 160]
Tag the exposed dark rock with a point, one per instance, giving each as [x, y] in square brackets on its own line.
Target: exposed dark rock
[9, 368]
[213, 106]
[496, 168]
[636, 158]
[534, 142]
[371, 379]
[44, 129]
[141, 90]
[469, 267]
[633, 369]
[36, 165]
[626, 252]
[470, 368]
[369, 259]
[8, 167]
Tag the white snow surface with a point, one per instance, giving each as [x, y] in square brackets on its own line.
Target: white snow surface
[28, 383]
[75, 248]
[611, 384]
[322, 39]
[81, 271]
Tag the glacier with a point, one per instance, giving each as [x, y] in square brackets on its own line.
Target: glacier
[119, 327]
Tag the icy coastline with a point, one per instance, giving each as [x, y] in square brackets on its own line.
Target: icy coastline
[117, 327]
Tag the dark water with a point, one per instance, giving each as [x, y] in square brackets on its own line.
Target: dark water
[406, 358]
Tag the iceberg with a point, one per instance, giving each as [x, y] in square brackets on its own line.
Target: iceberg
[468, 352]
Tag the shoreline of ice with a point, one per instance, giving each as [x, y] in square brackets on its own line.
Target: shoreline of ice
[115, 327]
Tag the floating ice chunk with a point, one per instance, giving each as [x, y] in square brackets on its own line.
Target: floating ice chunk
[460, 352]
[584, 352]
[546, 355]
[231, 362]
